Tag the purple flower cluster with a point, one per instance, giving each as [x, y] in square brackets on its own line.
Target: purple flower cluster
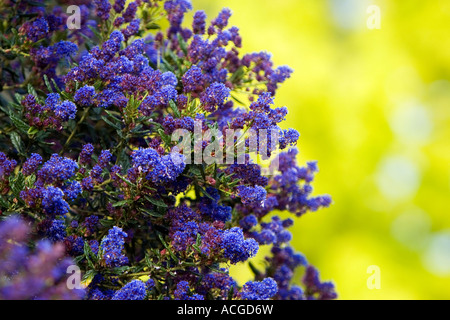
[175, 13]
[28, 274]
[102, 9]
[31, 164]
[53, 201]
[182, 292]
[290, 194]
[315, 289]
[273, 232]
[250, 195]
[209, 207]
[133, 290]
[263, 290]
[214, 96]
[56, 170]
[236, 247]
[105, 183]
[46, 59]
[52, 114]
[85, 96]
[157, 169]
[6, 168]
[112, 247]
[36, 30]
[187, 227]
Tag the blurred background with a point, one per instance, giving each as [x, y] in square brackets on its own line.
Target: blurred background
[372, 104]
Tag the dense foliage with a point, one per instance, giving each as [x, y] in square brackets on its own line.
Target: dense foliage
[91, 168]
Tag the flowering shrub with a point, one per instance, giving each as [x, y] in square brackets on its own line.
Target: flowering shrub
[96, 170]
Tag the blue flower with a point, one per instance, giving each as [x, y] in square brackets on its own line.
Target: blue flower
[57, 231]
[104, 158]
[53, 201]
[222, 19]
[182, 292]
[193, 79]
[37, 30]
[72, 190]
[199, 23]
[250, 195]
[102, 9]
[236, 248]
[65, 49]
[112, 246]
[215, 96]
[57, 169]
[248, 222]
[133, 290]
[85, 96]
[168, 78]
[259, 290]
[31, 164]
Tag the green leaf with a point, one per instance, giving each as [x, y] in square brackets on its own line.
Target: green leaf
[255, 271]
[107, 223]
[78, 259]
[3, 105]
[121, 203]
[174, 107]
[148, 261]
[30, 180]
[22, 126]
[237, 74]
[174, 257]
[35, 3]
[3, 202]
[182, 43]
[126, 180]
[152, 214]
[121, 270]
[175, 59]
[17, 142]
[89, 274]
[18, 97]
[89, 254]
[114, 125]
[31, 90]
[195, 170]
[206, 193]
[32, 131]
[231, 293]
[198, 241]
[167, 65]
[152, 26]
[166, 138]
[112, 114]
[156, 202]
[95, 31]
[156, 124]
[17, 184]
[237, 100]
[56, 86]
[47, 83]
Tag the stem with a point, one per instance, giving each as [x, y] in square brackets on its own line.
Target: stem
[23, 85]
[121, 146]
[146, 273]
[14, 50]
[85, 113]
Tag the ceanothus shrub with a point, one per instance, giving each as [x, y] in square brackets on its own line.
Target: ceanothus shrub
[91, 174]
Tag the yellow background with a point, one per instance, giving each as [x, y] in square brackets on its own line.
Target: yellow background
[372, 106]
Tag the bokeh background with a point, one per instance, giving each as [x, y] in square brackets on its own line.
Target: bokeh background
[373, 107]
